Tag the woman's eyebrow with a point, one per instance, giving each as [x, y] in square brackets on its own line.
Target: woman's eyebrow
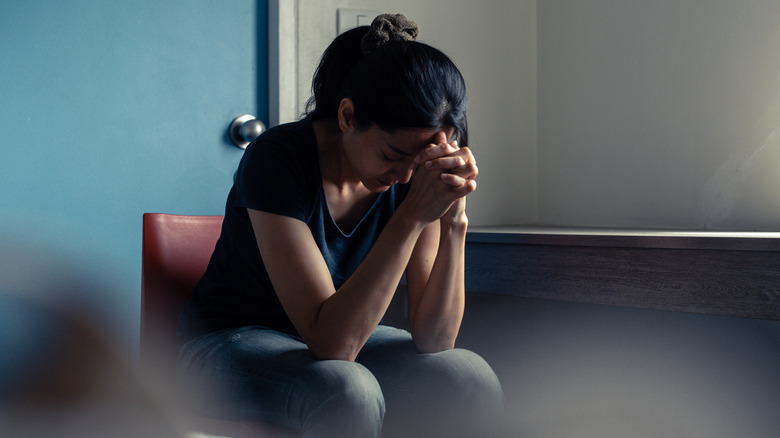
[398, 151]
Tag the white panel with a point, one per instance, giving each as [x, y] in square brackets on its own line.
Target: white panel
[347, 19]
[282, 61]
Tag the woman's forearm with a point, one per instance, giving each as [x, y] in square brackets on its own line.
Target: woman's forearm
[348, 317]
[439, 312]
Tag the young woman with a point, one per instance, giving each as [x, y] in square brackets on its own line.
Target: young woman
[325, 216]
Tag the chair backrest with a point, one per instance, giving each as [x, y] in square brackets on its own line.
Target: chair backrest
[176, 251]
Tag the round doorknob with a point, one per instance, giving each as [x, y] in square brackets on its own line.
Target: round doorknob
[244, 129]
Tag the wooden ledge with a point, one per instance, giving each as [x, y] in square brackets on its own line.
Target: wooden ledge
[616, 237]
[719, 273]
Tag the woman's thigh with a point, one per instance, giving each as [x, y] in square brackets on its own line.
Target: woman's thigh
[254, 373]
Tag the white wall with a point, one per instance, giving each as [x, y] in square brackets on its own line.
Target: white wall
[493, 42]
[611, 113]
[660, 113]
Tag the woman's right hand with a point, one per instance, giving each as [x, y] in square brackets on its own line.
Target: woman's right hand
[436, 187]
[455, 160]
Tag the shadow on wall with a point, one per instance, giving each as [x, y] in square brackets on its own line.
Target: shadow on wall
[581, 370]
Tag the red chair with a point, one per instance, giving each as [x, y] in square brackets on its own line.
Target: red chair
[176, 251]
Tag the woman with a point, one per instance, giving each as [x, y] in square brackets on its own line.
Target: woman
[323, 220]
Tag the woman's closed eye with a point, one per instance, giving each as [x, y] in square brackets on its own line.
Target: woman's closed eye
[392, 159]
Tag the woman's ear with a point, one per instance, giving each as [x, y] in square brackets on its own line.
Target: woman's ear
[346, 114]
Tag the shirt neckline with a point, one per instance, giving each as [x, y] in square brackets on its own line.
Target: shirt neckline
[324, 199]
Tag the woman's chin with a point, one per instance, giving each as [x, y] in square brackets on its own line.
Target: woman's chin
[377, 186]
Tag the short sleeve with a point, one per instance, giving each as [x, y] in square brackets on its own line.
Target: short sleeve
[277, 173]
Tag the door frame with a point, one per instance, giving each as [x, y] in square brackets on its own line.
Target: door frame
[282, 61]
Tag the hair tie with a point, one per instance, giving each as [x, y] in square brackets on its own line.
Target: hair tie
[388, 27]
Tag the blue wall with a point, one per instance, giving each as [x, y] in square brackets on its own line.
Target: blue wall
[113, 109]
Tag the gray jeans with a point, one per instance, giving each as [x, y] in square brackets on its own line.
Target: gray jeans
[255, 373]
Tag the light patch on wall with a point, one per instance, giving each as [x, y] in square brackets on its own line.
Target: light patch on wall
[716, 205]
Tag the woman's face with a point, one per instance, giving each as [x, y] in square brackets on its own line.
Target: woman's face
[381, 159]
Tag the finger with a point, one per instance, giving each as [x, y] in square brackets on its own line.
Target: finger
[446, 163]
[467, 171]
[439, 147]
[459, 186]
[433, 152]
[454, 180]
[441, 137]
[465, 152]
[455, 151]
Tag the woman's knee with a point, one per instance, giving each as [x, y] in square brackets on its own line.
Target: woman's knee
[350, 379]
[464, 394]
[468, 376]
[346, 389]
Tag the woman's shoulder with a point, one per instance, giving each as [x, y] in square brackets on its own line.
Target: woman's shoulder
[290, 148]
[293, 133]
[290, 141]
[278, 171]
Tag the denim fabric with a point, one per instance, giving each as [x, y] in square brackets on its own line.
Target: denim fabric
[255, 373]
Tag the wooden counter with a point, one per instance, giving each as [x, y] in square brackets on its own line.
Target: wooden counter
[720, 273]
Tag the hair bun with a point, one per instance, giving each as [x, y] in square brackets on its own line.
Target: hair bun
[388, 27]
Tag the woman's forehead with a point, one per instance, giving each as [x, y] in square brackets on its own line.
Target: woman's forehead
[412, 140]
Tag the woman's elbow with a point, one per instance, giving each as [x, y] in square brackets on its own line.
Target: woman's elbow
[330, 352]
[433, 346]
[433, 340]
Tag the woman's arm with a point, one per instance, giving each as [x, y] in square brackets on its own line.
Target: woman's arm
[435, 275]
[336, 323]
[435, 284]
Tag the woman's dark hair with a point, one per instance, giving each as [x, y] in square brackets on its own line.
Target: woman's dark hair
[397, 85]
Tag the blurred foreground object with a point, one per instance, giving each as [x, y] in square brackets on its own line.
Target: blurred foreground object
[61, 378]
[60, 375]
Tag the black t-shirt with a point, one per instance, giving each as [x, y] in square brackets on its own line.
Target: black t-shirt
[279, 173]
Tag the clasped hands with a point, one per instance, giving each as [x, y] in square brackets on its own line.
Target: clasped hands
[458, 169]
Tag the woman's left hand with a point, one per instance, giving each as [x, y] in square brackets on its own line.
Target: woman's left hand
[453, 160]
[459, 168]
